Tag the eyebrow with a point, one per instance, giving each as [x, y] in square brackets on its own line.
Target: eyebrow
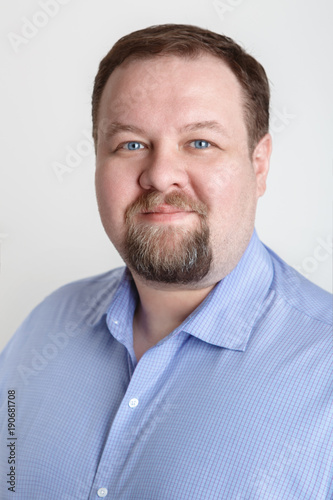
[117, 127]
[211, 124]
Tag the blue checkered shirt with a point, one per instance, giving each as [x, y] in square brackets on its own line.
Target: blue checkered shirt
[234, 404]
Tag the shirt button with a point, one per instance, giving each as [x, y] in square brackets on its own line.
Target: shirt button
[133, 403]
[102, 492]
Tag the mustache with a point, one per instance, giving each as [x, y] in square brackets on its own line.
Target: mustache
[147, 202]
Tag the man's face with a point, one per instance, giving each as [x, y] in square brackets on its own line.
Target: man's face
[176, 185]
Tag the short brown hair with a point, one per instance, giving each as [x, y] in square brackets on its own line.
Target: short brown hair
[191, 41]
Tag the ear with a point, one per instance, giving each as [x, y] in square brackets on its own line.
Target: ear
[260, 160]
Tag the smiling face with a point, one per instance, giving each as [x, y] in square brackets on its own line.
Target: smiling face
[173, 167]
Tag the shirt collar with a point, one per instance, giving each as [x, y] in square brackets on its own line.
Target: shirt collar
[225, 318]
[228, 314]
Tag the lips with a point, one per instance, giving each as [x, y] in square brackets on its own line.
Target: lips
[164, 214]
[165, 209]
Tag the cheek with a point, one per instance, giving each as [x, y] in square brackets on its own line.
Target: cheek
[222, 184]
[112, 189]
[231, 190]
[110, 197]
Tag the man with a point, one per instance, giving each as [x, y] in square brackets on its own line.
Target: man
[202, 370]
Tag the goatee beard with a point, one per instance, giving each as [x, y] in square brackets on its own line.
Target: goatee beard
[167, 254]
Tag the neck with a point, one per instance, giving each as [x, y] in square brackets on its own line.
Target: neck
[160, 310]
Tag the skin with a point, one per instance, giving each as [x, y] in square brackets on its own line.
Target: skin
[161, 98]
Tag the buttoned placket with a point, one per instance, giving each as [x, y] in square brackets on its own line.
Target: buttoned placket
[135, 412]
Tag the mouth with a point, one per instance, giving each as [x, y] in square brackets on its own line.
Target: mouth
[165, 213]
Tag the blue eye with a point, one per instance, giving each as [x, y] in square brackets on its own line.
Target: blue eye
[200, 144]
[133, 145]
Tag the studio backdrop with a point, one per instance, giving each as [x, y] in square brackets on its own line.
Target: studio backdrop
[50, 232]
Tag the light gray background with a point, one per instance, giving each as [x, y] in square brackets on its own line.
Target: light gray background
[50, 232]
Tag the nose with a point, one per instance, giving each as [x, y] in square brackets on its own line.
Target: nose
[164, 169]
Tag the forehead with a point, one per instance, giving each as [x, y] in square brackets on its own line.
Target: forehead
[171, 87]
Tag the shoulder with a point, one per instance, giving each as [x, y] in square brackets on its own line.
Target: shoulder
[82, 302]
[96, 289]
[83, 297]
[299, 293]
